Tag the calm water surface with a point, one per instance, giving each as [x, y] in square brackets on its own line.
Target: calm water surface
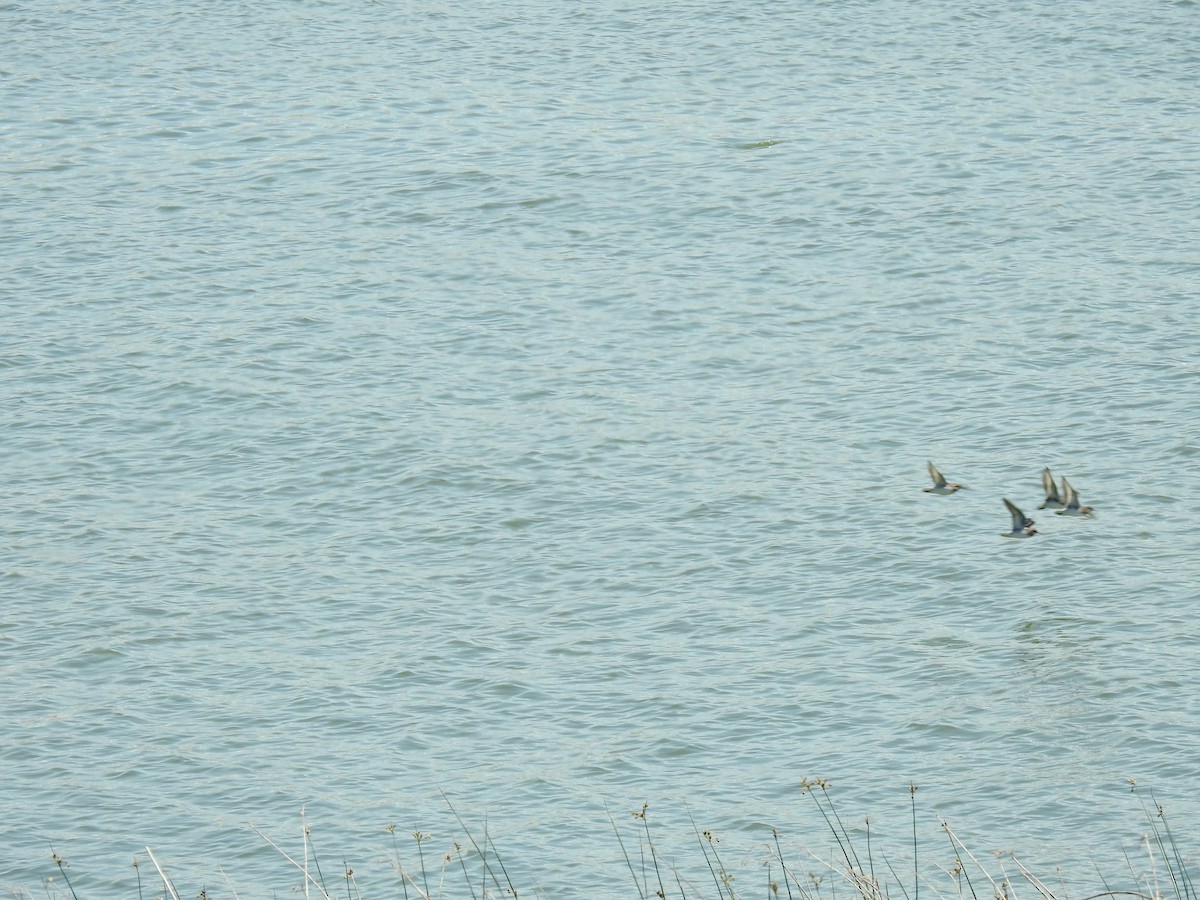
[531, 402]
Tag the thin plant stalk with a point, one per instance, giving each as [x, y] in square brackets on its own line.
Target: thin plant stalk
[779, 856]
[896, 876]
[163, 875]
[463, 863]
[308, 879]
[959, 867]
[662, 891]
[391, 829]
[789, 877]
[726, 879]
[912, 796]
[954, 840]
[305, 835]
[839, 832]
[487, 842]
[713, 871]
[62, 868]
[1184, 877]
[311, 848]
[721, 880]
[679, 883]
[625, 853]
[1160, 813]
[500, 862]
[1038, 884]
[870, 855]
[348, 877]
[228, 882]
[419, 838]
[304, 844]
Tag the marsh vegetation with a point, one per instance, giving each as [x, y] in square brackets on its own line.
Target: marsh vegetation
[853, 864]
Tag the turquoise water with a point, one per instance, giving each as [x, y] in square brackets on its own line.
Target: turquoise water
[532, 403]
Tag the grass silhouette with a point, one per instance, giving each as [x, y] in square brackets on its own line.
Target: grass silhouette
[855, 867]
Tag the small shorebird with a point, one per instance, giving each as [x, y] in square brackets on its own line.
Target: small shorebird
[940, 485]
[1053, 501]
[1072, 507]
[1022, 525]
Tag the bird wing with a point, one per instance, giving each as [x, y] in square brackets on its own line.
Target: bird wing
[1018, 517]
[1070, 496]
[1048, 485]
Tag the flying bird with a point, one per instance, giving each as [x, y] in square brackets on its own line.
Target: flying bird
[1022, 525]
[1053, 501]
[1072, 507]
[940, 485]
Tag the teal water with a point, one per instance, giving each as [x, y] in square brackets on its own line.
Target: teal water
[532, 403]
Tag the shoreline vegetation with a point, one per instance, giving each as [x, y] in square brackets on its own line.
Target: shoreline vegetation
[854, 868]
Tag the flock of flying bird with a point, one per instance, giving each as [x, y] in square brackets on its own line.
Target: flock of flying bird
[1066, 503]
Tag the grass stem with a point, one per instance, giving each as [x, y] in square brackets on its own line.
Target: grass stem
[62, 868]
[628, 862]
[912, 796]
[161, 874]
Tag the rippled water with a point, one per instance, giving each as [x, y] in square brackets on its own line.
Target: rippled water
[531, 402]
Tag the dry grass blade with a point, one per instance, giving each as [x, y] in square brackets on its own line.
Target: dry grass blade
[1037, 883]
[996, 892]
[163, 875]
[308, 879]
